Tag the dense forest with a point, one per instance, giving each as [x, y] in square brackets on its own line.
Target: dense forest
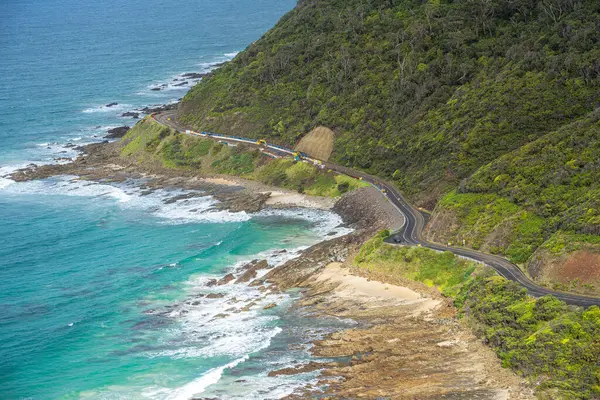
[487, 109]
[422, 91]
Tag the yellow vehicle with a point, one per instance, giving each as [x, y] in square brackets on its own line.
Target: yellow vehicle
[261, 142]
[297, 156]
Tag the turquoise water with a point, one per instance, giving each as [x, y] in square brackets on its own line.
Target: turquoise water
[103, 287]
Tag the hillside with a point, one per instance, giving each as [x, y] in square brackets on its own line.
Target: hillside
[481, 109]
[539, 204]
[424, 92]
[149, 142]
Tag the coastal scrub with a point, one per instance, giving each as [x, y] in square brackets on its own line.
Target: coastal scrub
[444, 270]
[149, 141]
[553, 345]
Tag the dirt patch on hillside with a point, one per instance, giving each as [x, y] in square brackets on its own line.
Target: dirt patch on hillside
[577, 272]
[442, 227]
[318, 143]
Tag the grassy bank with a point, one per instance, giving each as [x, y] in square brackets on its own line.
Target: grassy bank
[149, 141]
[554, 346]
[442, 270]
[541, 198]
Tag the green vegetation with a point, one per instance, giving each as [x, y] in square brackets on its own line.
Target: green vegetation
[541, 339]
[562, 243]
[442, 270]
[516, 231]
[424, 92]
[556, 176]
[149, 141]
[495, 99]
[552, 345]
[549, 185]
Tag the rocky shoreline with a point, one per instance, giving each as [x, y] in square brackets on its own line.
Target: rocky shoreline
[101, 162]
[407, 344]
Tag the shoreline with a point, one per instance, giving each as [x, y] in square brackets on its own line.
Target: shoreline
[386, 313]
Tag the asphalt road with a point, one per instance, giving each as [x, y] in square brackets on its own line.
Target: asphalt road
[414, 222]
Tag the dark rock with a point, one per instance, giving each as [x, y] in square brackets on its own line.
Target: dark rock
[248, 306]
[116, 133]
[69, 145]
[156, 89]
[131, 114]
[251, 269]
[215, 296]
[256, 282]
[311, 366]
[243, 200]
[225, 280]
[193, 75]
[181, 84]
[186, 196]
[159, 108]
[269, 306]
[111, 104]
[211, 282]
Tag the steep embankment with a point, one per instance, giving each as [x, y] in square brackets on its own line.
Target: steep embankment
[539, 205]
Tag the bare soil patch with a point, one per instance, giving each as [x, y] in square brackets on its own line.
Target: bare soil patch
[318, 143]
[582, 265]
[577, 272]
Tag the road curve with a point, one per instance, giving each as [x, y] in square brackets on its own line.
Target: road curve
[414, 222]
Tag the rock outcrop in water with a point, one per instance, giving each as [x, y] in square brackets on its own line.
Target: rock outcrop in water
[134, 115]
[250, 270]
[116, 133]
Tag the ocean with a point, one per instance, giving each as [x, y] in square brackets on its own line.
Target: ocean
[104, 288]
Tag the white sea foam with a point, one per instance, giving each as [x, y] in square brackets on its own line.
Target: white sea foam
[104, 109]
[4, 182]
[195, 387]
[324, 223]
[69, 186]
[175, 83]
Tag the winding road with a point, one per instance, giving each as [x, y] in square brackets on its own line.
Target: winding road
[414, 221]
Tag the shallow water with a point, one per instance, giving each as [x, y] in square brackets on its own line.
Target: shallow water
[103, 287]
[102, 291]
